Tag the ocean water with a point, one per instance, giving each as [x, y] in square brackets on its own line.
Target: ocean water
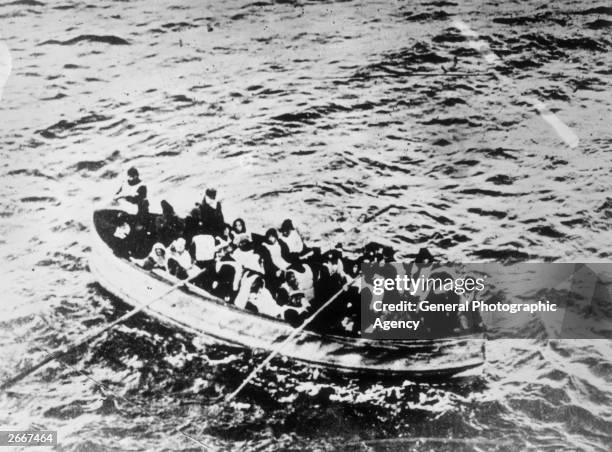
[319, 111]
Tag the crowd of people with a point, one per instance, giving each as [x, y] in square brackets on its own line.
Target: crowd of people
[274, 274]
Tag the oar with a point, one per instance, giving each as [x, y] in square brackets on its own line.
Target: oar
[67, 349]
[360, 222]
[379, 213]
[288, 339]
[367, 219]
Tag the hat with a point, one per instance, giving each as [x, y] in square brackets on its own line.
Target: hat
[211, 193]
[333, 256]
[286, 226]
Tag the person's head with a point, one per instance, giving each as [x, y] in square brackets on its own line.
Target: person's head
[332, 259]
[286, 227]
[210, 196]
[195, 214]
[227, 231]
[244, 244]
[282, 298]
[167, 209]
[369, 252]
[271, 236]
[291, 279]
[159, 250]
[226, 273]
[224, 278]
[142, 191]
[238, 226]
[132, 174]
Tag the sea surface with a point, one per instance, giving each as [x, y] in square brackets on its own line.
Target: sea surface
[318, 111]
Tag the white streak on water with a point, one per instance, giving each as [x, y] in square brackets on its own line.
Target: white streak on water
[562, 130]
[566, 134]
[5, 65]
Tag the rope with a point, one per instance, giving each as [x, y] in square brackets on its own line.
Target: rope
[67, 349]
[287, 340]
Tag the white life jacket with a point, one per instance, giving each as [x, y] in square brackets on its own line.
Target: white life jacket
[248, 259]
[293, 241]
[122, 231]
[339, 269]
[205, 248]
[128, 190]
[262, 300]
[275, 255]
[158, 261]
[183, 258]
[305, 281]
[265, 303]
[240, 236]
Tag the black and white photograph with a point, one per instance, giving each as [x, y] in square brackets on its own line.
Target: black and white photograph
[306, 225]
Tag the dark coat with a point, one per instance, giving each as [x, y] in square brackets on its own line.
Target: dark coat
[212, 219]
